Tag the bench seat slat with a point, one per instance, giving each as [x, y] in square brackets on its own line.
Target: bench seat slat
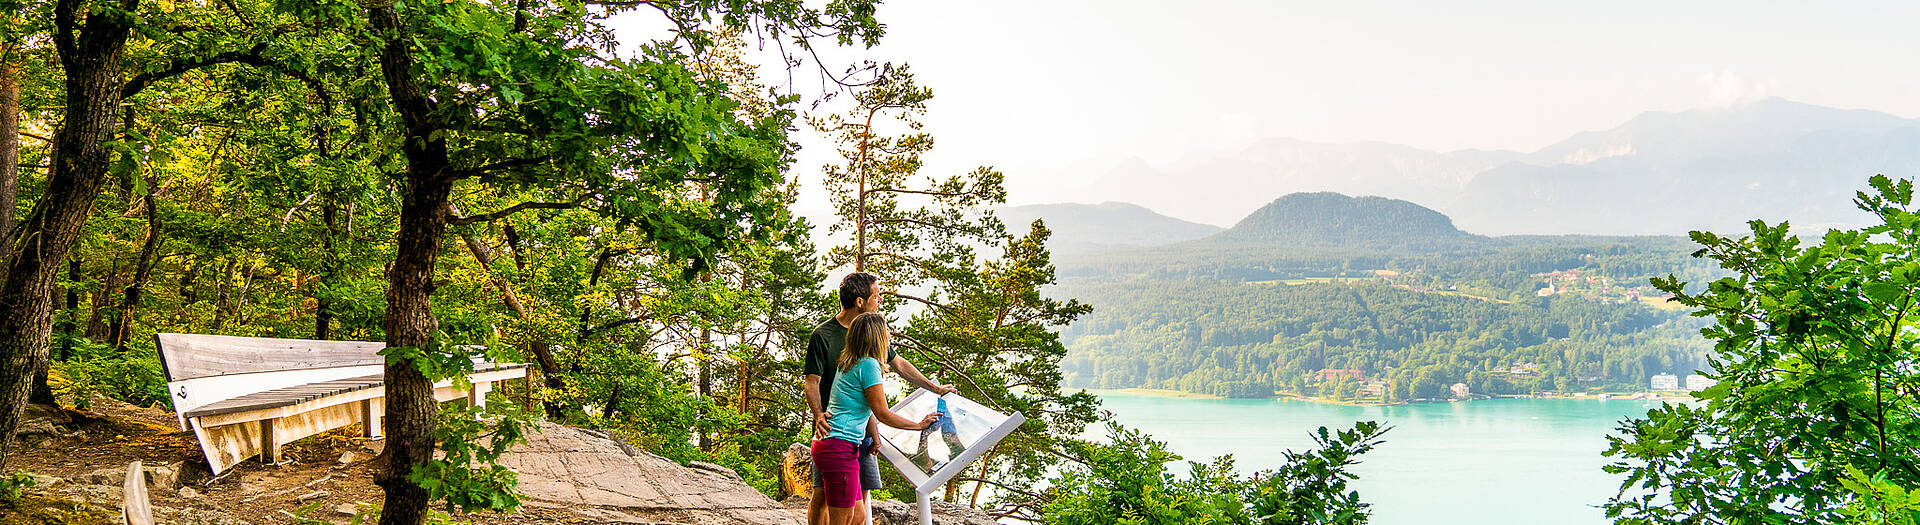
[280, 397]
[297, 394]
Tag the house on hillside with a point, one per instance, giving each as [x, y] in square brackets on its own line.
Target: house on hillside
[1460, 391]
[1349, 373]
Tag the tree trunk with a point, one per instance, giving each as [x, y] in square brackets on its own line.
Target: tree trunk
[9, 142]
[143, 270]
[92, 61]
[613, 400]
[542, 351]
[860, 201]
[222, 288]
[97, 324]
[189, 290]
[239, 313]
[42, 393]
[593, 279]
[745, 382]
[986, 468]
[322, 302]
[73, 310]
[411, 408]
[706, 385]
[513, 249]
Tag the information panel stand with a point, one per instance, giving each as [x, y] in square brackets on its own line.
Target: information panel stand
[928, 458]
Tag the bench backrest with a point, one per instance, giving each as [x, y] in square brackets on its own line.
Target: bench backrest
[204, 369]
[193, 356]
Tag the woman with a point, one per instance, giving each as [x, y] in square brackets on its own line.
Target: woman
[856, 395]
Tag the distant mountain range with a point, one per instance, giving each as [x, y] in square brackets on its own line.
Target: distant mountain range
[1326, 234]
[1660, 173]
[1087, 227]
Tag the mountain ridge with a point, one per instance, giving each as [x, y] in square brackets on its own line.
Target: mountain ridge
[1111, 224]
[1651, 175]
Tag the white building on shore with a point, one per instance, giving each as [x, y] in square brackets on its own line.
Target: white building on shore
[1697, 382]
[1665, 382]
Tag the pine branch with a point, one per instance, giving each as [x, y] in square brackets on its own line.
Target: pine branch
[937, 226]
[922, 192]
[498, 166]
[941, 360]
[517, 208]
[942, 307]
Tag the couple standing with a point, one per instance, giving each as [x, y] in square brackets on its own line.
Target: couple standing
[845, 359]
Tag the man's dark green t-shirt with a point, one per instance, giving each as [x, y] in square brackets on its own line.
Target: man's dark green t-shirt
[823, 355]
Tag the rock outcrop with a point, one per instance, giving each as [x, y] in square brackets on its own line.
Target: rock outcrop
[890, 512]
[796, 471]
[606, 481]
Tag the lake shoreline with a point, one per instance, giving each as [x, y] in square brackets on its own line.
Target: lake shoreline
[1154, 392]
[1289, 396]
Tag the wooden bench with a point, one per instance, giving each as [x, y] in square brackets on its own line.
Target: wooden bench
[247, 396]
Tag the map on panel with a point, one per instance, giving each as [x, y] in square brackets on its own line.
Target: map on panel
[962, 424]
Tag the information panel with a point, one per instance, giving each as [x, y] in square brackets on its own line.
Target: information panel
[928, 458]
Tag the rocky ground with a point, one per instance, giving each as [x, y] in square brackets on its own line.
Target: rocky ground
[568, 476]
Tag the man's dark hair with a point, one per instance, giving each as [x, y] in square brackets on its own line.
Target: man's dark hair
[856, 285]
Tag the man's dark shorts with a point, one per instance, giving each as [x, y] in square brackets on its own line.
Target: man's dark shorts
[869, 468]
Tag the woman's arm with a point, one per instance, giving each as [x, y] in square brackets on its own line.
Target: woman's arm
[877, 400]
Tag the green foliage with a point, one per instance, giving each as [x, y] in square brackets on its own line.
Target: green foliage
[368, 514]
[1311, 488]
[96, 369]
[438, 360]
[1876, 500]
[1126, 481]
[468, 475]
[12, 487]
[1814, 346]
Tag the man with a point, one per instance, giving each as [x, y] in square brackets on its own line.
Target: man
[859, 294]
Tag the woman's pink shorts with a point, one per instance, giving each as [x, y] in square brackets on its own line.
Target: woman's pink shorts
[839, 464]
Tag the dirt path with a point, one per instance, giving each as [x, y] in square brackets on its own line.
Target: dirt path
[323, 479]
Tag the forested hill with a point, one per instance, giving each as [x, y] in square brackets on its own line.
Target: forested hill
[1387, 288]
[1332, 219]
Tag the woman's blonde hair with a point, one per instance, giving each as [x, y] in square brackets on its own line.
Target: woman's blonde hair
[868, 336]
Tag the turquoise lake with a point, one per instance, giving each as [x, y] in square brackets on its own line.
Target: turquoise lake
[1489, 462]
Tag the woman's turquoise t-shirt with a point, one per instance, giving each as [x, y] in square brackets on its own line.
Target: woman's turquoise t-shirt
[847, 411]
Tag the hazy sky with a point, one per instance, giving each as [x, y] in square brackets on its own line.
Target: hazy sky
[1055, 93]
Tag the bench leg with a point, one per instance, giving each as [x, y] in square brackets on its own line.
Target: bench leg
[478, 396]
[269, 450]
[371, 411]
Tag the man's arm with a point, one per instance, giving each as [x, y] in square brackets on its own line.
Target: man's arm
[814, 408]
[912, 375]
